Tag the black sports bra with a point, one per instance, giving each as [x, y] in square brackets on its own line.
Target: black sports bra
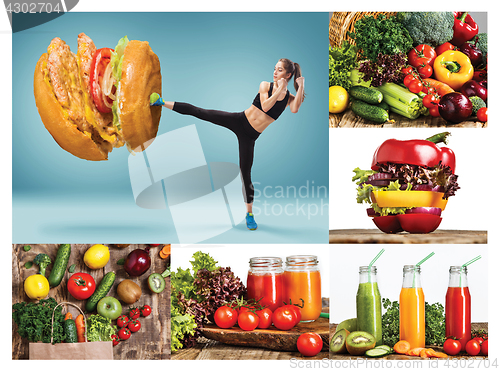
[278, 107]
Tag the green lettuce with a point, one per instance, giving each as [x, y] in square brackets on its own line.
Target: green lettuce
[99, 328]
[116, 64]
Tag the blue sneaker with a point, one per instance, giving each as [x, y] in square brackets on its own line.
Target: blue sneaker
[251, 224]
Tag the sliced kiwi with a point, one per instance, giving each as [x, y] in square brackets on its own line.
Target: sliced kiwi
[358, 342]
[337, 343]
[156, 282]
[350, 324]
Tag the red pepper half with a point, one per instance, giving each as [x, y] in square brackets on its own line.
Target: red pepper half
[464, 28]
[415, 152]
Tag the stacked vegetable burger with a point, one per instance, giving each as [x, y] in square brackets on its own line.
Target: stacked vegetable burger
[409, 184]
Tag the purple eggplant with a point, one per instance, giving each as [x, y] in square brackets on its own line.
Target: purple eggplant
[455, 107]
[475, 88]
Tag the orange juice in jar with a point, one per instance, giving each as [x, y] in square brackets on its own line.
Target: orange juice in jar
[412, 308]
[302, 283]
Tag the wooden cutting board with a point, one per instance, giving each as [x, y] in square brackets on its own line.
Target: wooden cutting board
[271, 338]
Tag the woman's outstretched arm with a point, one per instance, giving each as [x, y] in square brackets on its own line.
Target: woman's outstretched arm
[296, 101]
[267, 102]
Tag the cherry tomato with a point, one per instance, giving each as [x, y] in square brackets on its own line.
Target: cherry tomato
[134, 325]
[434, 111]
[419, 223]
[225, 317]
[408, 79]
[415, 86]
[482, 114]
[284, 318]
[452, 347]
[407, 70]
[425, 71]
[444, 47]
[388, 224]
[145, 310]
[100, 61]
[265, 318]
[296, 311]
[479, 339]
[421, 54]
[124, 334]
[430, 101]
[309, 344]
[115, 340]
[122, 321]
[248, 321]
[81, 286]
[134, 313]
[473, 347]
[484, 347]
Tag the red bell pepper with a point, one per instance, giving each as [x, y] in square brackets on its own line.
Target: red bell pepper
[464, 28]
[415, 152]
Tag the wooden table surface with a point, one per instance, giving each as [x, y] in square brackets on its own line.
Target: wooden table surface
[348, 119]
[463, 355]
[151, 342]
[375, 236]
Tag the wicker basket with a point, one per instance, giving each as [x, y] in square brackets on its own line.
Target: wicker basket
[342, 22]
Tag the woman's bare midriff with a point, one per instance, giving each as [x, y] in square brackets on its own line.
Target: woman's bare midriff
[258, 119]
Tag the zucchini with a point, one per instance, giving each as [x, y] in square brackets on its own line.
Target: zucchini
[369, 112]
[366, 94]
[70, 331]
[376, 353]
[100, 292]
[60, 265]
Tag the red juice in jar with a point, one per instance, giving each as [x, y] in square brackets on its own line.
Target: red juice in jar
[458, 304]
[265, 281]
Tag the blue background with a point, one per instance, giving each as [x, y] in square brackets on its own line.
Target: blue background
[213, 60]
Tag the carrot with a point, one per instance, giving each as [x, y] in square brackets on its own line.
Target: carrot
[440, 354]
[440, 87]
[165, 251]
[402, 347]
[415, 351]
[68, 316]
[80, 328]
[426, 353]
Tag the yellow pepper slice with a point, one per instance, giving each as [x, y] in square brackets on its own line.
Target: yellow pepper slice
[412, 198]
[453, 68]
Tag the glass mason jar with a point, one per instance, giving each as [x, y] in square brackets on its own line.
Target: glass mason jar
[412, 308]
[265, 281]
[457, 307]
[302, 283]
[369, 303]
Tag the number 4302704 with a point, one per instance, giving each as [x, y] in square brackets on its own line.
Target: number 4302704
[34, 7]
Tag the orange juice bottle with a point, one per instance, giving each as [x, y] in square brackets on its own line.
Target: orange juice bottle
[302, 282]
[412, 308]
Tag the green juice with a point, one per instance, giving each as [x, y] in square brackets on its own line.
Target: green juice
[369, 310]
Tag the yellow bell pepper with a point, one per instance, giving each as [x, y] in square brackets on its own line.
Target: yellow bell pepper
[410, 199]
[453, 68]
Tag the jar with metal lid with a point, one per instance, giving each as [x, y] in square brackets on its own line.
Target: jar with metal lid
[265, 281]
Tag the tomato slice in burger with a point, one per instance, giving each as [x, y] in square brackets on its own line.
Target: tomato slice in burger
[400, 199]
[100, 61]
[388, 224]
[419, 223]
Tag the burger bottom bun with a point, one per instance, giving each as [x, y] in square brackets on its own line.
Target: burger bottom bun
[64, 132]
[141, 76]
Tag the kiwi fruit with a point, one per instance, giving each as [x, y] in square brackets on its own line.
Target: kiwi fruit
[350, 324]
[337, 343]
[358, 342]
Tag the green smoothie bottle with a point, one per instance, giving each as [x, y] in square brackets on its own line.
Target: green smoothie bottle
[369, 304]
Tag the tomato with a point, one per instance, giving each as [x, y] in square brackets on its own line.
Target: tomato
[408, 79]
[284, 318]
[473, 347]
[425, 71]
[484, 347]
[265, 318]
[145, 310]
[482, 114]
[134, 325]
[81, 286]
[479, 339]
[134, 313]
[419, 223]
[225, 317]
[421, 54]
[444, 47]
[122, 321]
[407, 70]
[309, 344]
[388, 224]
[452, 346]
[430, 101]
[434, 111]
[100, 61]
[115, 340]
[415, 86]
[248, 321]
[124, 334]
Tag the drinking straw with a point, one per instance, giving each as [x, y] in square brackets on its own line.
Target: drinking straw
[420, 263]
[372, 262]
[471, 261]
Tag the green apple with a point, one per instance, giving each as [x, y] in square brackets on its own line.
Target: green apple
[109, 307]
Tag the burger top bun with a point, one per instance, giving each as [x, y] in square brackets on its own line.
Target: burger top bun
[141, 76]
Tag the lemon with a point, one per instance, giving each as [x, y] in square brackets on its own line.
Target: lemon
[338, 99]
[96, 256]
[36, 286]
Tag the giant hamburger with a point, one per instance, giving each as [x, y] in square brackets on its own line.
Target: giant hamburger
[408, 185]
[98, 99]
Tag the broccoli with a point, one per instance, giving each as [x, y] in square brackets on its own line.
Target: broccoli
[477, 103]
[481, 41]
[42, 260]
[432, 28]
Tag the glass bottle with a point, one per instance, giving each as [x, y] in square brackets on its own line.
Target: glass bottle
[412, 308]
[265, 281]
[458, 305]
[369, 303]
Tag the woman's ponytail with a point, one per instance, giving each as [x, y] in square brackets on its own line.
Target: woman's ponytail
[294, 69]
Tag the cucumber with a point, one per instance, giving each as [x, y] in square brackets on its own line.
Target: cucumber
[376, 352]
[385, 347]
[369, 112]
[100, 292]
[384, 105]
[70, 331]
[366, 94]
[60, 265]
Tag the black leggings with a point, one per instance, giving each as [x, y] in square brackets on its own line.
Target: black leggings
[238, 123]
